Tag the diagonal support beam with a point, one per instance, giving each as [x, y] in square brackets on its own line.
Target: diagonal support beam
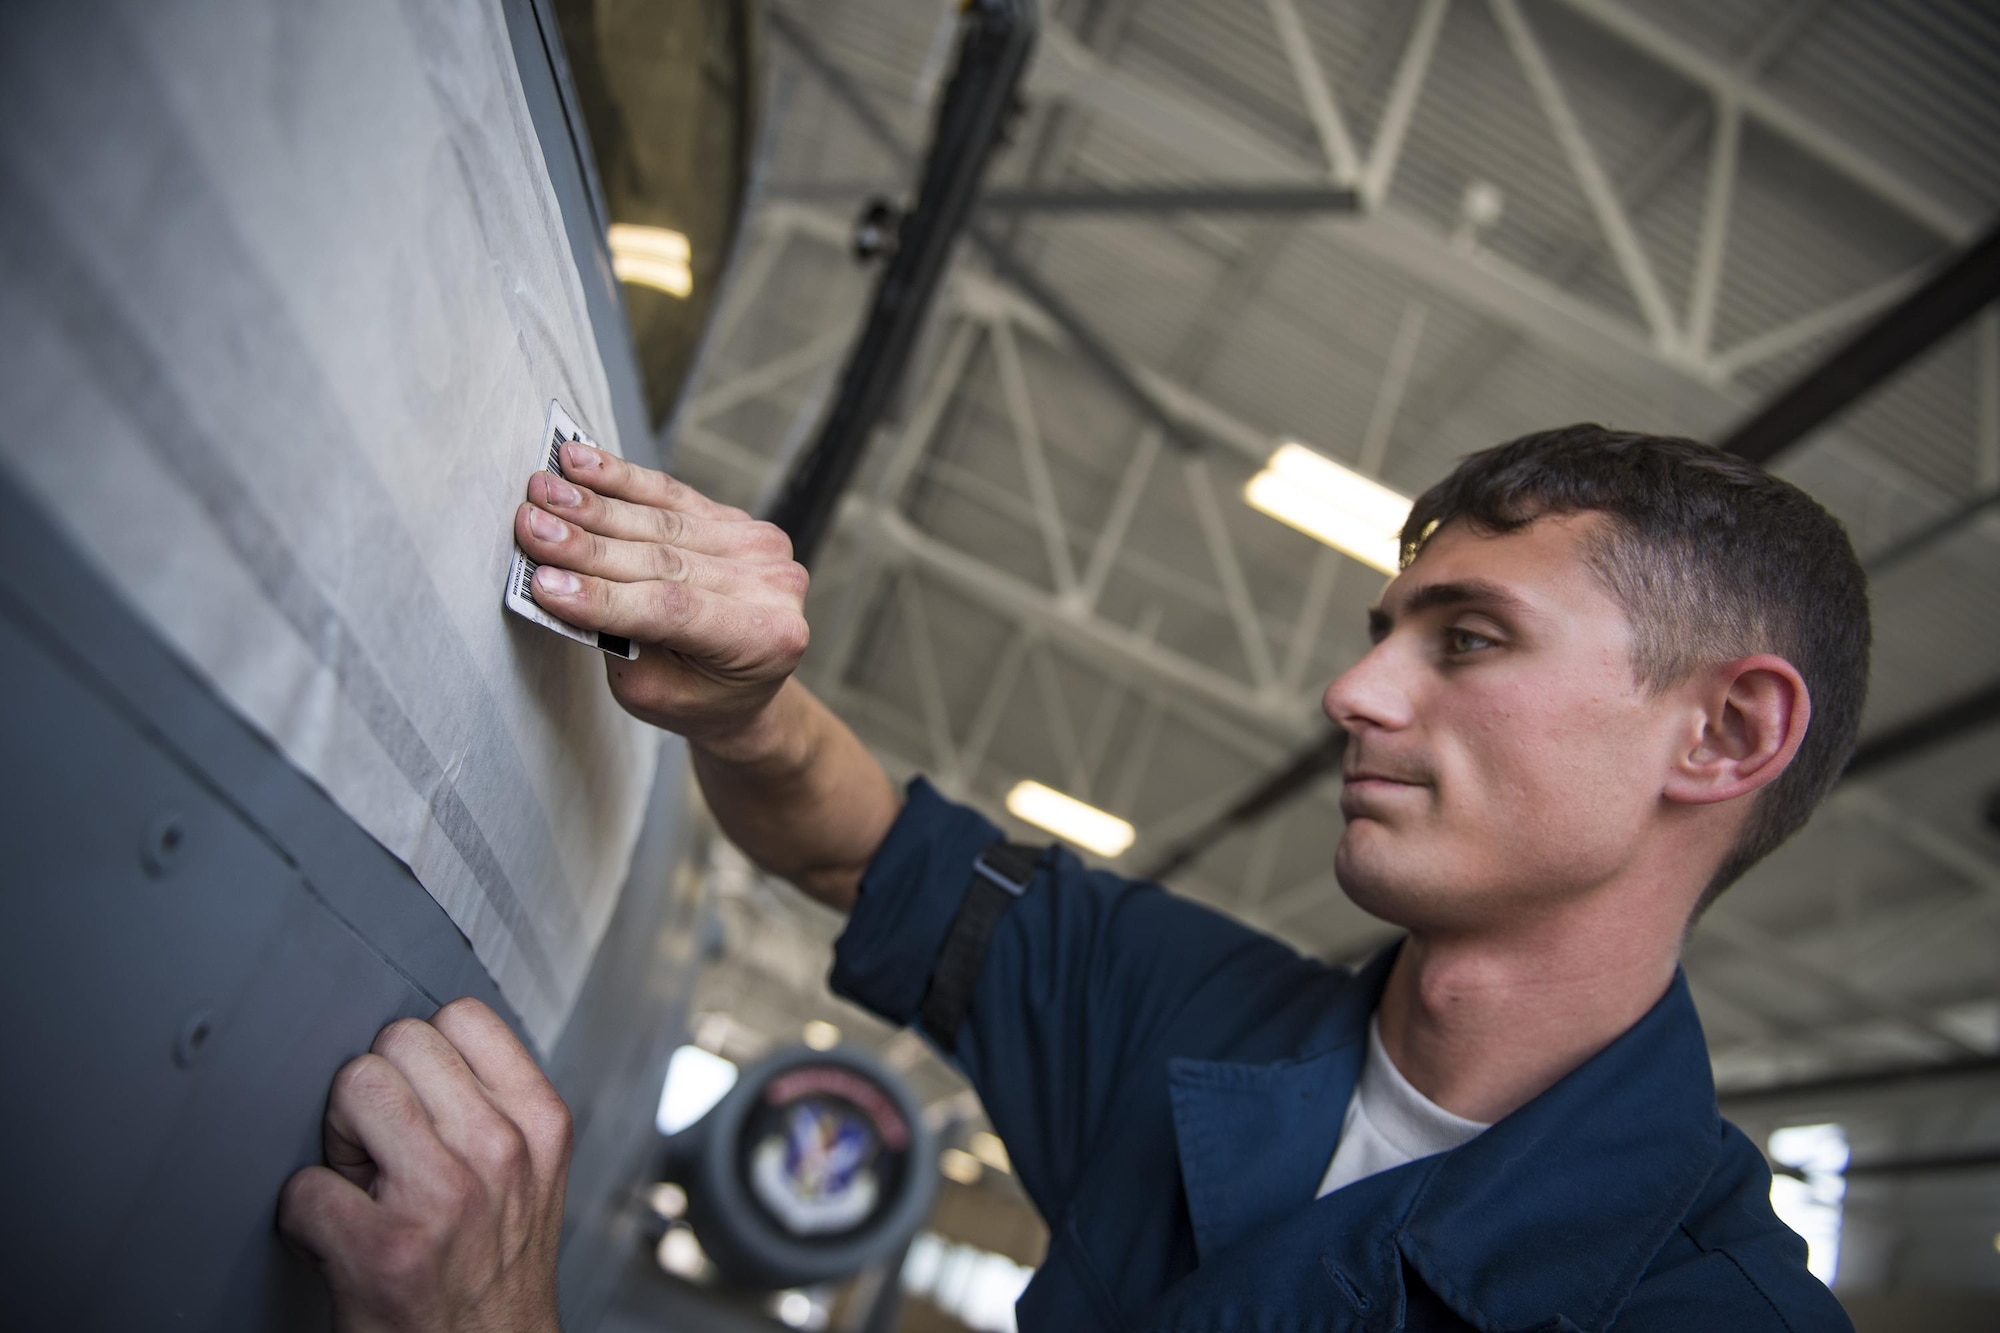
[758, 380]
[1111, 537]
[1596, 185]
[1343, 163]
[1168, 200]
[1276, 720]
[930, 680]
[1034, 459]
[1412, 68]
[1229, 573]
[1767, 947]
[1627, 24]
[1706, 289]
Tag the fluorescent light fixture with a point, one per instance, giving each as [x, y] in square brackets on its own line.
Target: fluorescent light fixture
[651, 257]
[988, 1148]
[681, 1254]
[1070, 819]
[1333, 504]
[960, 1166]
[695, 1082]
[1812, 1206]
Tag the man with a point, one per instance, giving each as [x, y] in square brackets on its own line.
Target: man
[1614, 672]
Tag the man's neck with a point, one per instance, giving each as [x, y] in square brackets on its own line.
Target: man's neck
[1482, 1025]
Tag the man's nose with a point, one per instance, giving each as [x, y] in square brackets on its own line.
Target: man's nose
[1371, 693]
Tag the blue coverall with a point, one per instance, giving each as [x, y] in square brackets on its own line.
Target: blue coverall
[1170, 1085]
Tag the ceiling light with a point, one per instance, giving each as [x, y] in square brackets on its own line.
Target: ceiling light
[651, 257]
[1333, 504]
[822, 1035]
[960, 1166]
[1070, 819]
[988, 1148]
[695, 1082]
[681, 1254]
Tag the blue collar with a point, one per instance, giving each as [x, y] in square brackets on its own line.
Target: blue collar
[1558, 1208]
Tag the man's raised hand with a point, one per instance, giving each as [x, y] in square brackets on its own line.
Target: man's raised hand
[711, 595]
[440, 1205]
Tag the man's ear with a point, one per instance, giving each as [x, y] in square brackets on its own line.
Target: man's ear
[1753, 716]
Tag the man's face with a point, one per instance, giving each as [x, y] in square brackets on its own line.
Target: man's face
[1502, 755]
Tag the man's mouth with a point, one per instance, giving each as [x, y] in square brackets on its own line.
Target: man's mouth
[1363, 777]
[1364, 789]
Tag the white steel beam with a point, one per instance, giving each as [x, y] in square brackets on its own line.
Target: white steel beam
[981, 491]
[1111, 537]
[923, 421]
[740, 388]
[1412, 68]
[993, 704]
[1103, 723]
[1278, 720]
[1624, 22]
[1753, 939]
[1124, 792]
[930, 681]
[1390, 389]
[1315, 599]
[1706, 291]
[1343, 163]
[1604, 202]
[773, 234]
[1936, 844]
[1034, 460]
[1229, 572]
[1829, 319]
[1061, 726]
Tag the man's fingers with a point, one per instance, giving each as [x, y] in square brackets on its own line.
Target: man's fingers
[582, 510]
[609, 475]
[553, 542]
[374, 1115]
[322, 1212]
[736, 538]
[517, 1083]
[735, 640]
[489, 1048]
[450, 1092]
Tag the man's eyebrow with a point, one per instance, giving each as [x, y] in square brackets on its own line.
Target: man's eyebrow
[1462, 592]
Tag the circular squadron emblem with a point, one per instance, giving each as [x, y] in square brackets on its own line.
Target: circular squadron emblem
[824, 1147]
[815, 1174]
[815, 1164]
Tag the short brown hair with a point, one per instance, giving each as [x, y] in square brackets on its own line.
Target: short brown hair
[1712, 558]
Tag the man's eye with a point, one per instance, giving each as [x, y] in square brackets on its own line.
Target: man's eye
[1465, 641]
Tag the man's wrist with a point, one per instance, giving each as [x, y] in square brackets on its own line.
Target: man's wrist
[771, 740]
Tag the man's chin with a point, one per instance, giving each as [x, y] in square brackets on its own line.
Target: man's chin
[1368, 883]
[1382, 883]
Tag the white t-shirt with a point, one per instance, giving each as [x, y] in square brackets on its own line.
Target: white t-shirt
[1389, 1123]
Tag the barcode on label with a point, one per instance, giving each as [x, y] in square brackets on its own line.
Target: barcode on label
[519, 588]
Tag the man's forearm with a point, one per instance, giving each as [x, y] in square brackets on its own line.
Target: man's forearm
[801, 795]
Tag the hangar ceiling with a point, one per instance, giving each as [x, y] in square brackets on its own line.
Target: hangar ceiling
[1651, 213]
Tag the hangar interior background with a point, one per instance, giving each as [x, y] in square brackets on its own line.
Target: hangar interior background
[1395, 232]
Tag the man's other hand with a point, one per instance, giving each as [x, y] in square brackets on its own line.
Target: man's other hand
[711, 595]
[440, 1207]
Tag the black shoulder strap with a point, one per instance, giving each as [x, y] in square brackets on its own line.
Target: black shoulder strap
[1001, 874]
